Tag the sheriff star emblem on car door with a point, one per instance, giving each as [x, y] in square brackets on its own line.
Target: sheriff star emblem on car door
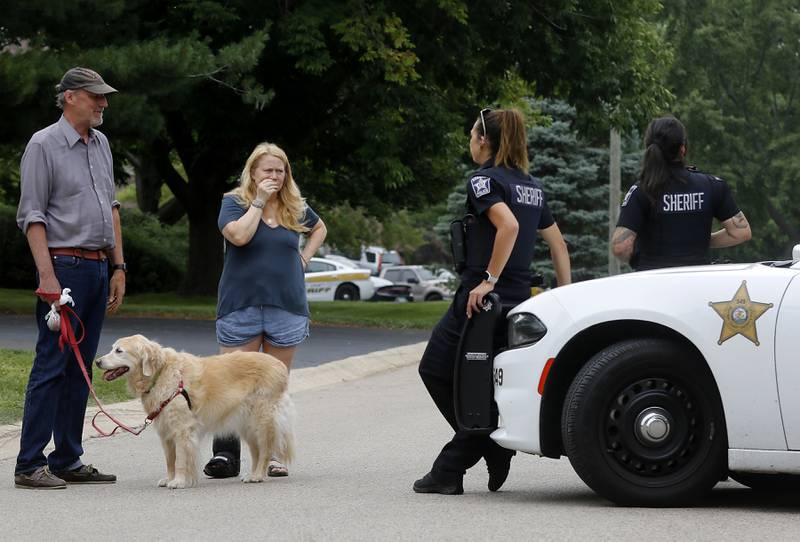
[739, 315]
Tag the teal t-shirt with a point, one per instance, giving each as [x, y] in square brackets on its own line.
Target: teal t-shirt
[265, 271]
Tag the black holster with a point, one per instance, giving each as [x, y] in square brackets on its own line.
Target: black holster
[458, 242]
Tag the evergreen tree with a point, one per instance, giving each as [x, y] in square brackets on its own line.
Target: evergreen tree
[575, 179]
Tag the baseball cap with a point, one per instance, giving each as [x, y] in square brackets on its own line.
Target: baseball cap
[86, 79]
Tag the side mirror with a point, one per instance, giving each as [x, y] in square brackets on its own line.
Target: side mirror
[413, 280]
[796, 253]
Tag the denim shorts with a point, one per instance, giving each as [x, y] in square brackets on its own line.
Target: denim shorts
[277, 326]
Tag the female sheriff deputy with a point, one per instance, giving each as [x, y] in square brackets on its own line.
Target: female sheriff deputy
[510, 208]
[665, 219]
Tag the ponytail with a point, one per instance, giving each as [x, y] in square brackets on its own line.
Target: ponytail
[505, 130]
[662, 140]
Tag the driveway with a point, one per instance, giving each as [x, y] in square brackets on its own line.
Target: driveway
[326, 343]
[361, 444]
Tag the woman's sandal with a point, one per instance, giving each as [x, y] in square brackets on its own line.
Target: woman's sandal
[222, 465]
[276, 469]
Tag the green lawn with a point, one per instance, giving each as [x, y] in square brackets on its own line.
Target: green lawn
[419, 315]
[15, 365]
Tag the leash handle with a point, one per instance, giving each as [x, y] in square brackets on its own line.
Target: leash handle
[50, 296]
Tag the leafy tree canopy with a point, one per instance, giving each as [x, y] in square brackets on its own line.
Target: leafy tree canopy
[370, 98]
[737, 81]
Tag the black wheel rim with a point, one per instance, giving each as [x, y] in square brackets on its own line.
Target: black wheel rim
[653, 431]
[347, 293]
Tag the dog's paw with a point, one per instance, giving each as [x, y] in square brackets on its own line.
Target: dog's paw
[177, 483]
[163, 482]
[251, 479]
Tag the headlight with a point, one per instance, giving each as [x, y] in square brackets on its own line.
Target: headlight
[524, 328]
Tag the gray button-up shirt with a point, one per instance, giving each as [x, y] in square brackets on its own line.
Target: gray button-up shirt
[69, 186]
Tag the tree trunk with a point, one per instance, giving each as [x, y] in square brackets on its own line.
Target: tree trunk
[171, 212]
[205, 250]
[148, 181]
[781, 221]
[148, 186]
[615, 180]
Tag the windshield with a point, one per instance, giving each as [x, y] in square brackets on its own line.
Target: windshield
[424, 274]
[783, 263]
[389, 258]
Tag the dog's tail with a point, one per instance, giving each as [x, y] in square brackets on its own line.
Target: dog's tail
[284, 432]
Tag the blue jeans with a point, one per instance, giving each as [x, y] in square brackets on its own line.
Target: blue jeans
[55, 400]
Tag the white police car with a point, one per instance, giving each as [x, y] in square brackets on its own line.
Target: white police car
[328, 280]
[659, 384]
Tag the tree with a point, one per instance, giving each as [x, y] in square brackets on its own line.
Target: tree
[737, 79]
[574, 176]
[370, 98]
[349, 229]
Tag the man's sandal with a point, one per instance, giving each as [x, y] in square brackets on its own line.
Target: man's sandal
[276, 469]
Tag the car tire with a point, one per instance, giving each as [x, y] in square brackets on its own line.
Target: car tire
[643, 424]
[758, 481]
[434, 297]
[347, 292]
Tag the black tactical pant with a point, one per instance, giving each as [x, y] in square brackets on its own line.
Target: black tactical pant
[436, 370]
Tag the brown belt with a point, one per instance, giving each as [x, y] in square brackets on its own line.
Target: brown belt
[79, 253]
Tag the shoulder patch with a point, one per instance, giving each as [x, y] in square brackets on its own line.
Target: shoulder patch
[480, 185]
[628, 195]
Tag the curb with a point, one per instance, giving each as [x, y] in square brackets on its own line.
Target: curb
[308, 378]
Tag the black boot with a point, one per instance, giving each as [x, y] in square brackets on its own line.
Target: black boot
[225, 463]
[498, 462]
[429, 484]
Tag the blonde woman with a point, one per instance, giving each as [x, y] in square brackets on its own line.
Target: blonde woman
[262, 298]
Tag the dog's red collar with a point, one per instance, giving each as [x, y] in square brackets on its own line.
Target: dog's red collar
[180, 391]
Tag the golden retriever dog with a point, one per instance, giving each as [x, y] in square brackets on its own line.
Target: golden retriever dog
[243, 393]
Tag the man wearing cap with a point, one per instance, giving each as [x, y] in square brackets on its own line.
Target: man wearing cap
[69, 214]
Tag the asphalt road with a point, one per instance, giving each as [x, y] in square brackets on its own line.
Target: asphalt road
[361, 445]
[326, 343]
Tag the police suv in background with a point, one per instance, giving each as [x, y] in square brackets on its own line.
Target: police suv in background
[424, 284]
[377, 258]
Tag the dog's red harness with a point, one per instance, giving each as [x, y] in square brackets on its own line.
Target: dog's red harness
[180, 391]
[67, 336]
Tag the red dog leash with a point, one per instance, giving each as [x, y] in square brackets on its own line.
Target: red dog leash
[67, 336]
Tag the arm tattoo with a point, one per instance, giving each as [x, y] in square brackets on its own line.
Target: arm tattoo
[622, 243]
[739, 220]
[622, 235]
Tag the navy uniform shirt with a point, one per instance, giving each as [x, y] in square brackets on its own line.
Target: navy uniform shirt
[677, 230]
[265, 271]
[523, 194]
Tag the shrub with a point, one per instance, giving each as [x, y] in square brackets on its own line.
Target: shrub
[155, 254]
[17, 269]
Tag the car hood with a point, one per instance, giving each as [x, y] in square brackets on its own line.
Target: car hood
[379, 282]
[659, 290]
[681, 299]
